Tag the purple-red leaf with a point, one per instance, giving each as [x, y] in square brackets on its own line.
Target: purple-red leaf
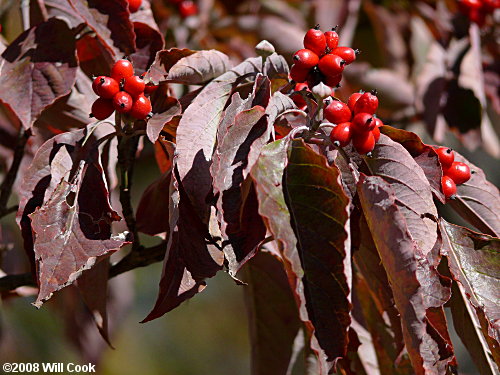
[164, 61]
[148, 42]
[474, 262]
[152, 212]
[38, 68]
[163, 113]
[188, 261]
[305, 208]
[196, 134]
[415, 283]
[274, 325]
[413, 193]
[423, 154]
[199, 67]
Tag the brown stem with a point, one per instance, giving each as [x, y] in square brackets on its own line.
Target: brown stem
[10, 177]
[127, 148]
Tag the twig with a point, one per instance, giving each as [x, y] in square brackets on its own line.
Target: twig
[10, 177]
[127, 148]
[11, 282]
[134, 259]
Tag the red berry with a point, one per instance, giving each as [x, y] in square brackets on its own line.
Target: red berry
[150, 88]
[315, 41]
[469, 4]
[341, 134]
[96, 82]
[122, 102]
[376, 133]
[102, 108]
[353, 99]
[363, 142]
[337, 112]
[122, 69]
[296, 97]
[477, 16]
[134, 85]
[331, 65]
[367, 103]
[305, 59]
[332, 39]
[141, 108]
[347, 53]
[446, 156]
[363, 123]
[334, 81]
[298, 74]
[107, 88]
[459, 172]
[134, 5]
[187, 8]
[448, 186]
[491, 5]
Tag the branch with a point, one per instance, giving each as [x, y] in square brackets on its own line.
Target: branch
[136, 259]
[127, 148]
[10, 177]
[132, 260]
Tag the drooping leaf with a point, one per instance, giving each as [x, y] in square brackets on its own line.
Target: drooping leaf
[162, 113]
[188, 261]
[70, 238]
[415, 283]
[152, 211]
[423, 154]
[197, 132]
[377, 300]
[230, 158]
[199, 67]
[478, 201]
[64, 205]
[164, 61]
[148, 41]
[273, 326]
[241, 226]
[413, 193]
[41, 65]
[473, 259]
[93, 287]
[305, 208]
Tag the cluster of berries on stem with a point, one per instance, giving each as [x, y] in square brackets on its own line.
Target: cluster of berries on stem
[477, 10]
[454, 172]
[122, 91]
[321, 59]
[355, 121]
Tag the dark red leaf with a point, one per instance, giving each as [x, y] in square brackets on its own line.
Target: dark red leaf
[152, 212]
[473, 259]
[164, 61]
[199, 67]
[273, 326]
[423, 154]
[41, 65]
[148, 42]
[196, 134]
[188, 261]
[413, 193]
[305, 208]
[163, 113]
[415, 283]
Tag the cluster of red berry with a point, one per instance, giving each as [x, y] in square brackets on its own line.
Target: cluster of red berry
[355, 121]
[186, 8]
[134, 5]
[123, 92]
[476, 10]
[321, 59]
[454, 172]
